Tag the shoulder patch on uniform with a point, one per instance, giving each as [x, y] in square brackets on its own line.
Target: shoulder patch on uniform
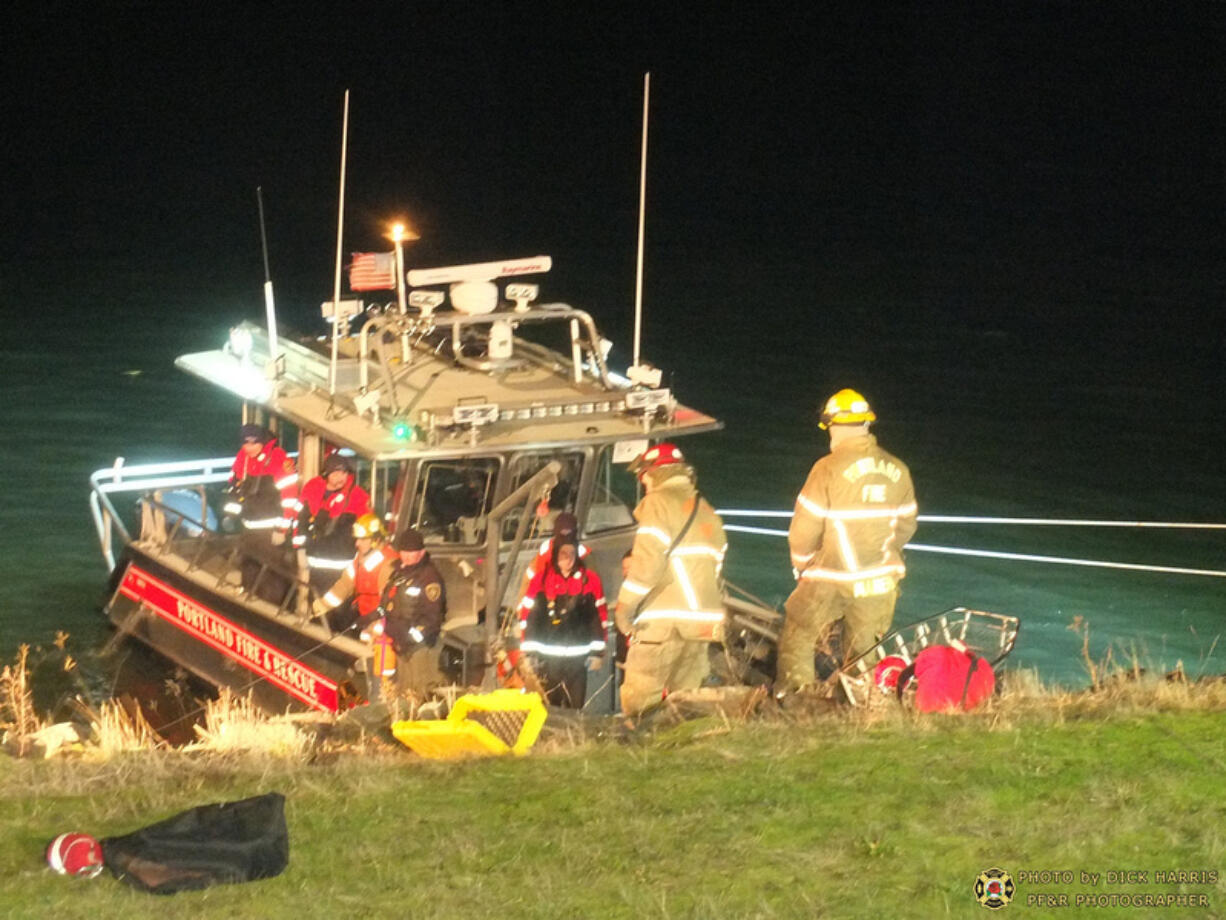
[434, 591]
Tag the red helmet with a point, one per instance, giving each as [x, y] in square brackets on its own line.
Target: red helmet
[886, 674]
[660, 455]
[75, 854]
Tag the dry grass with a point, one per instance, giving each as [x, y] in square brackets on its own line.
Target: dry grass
[18, 719]
[234, 723]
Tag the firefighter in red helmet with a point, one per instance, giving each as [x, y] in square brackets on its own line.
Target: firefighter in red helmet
[671, 602]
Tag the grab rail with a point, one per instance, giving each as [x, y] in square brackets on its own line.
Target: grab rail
[144, 477]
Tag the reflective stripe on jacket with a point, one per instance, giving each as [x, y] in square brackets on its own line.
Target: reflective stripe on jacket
[364, 579]
[325, 521]
[267, 485]
[852, 518]
[581, 629]
[681, 588]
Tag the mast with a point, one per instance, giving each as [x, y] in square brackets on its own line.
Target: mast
[638, 272]
[642, 374]
[340, 225]
[270, 309]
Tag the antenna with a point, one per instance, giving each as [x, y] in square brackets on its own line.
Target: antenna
[269, 309]
[638, 272]
[340, 227]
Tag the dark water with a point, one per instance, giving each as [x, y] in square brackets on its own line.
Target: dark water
[1019, 420]
[1003, 224]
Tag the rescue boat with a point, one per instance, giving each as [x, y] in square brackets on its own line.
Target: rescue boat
[474, 413]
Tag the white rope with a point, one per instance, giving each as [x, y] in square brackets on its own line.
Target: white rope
[1062, 560]
[1021, 557]
[1066, 522]
[962, 519]
[741, 528]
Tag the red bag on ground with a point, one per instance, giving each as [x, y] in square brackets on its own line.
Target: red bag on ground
[950, 678]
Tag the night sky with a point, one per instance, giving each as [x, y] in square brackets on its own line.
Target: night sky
[981, 161]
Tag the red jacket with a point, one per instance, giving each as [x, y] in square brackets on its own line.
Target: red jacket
[325, 520]
[554, 619]
[543, 558]
[264, 488]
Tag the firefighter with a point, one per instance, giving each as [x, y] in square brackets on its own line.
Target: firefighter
[414, 604]
[263, 483]
[362, 580]
[671, 602]
[852, 518]
[564, 623]
[327, 509]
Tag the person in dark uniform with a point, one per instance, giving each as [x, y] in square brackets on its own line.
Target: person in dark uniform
[415, 605]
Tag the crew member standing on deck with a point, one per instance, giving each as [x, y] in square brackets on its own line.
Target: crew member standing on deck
[327, 509]
[671, 602]
[362, 581]
[564, 624]
[361, 584]
[852, 518]
[263, 483]
[415, 604]
[565, 530]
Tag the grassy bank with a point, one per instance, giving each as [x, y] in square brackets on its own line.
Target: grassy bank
[832, 816]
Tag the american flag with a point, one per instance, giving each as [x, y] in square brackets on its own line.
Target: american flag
[372, 271]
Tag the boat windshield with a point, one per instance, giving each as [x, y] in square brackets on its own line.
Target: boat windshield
[615, 493]
[452, 499]
[562, 497]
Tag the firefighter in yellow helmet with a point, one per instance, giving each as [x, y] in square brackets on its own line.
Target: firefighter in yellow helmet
[362, 583]
[670, 603]
[852, 518]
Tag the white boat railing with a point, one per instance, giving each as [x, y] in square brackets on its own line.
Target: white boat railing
[145, 477]
[1017, 557]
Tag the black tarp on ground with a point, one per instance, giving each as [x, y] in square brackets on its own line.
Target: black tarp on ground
[208, 845]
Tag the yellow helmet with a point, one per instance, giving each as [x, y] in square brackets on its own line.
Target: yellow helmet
[846, 407]
[368, 526]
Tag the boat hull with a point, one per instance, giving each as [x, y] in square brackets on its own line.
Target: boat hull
[214, 632]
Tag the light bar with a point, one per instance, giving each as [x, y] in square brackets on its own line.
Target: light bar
[647, 400]
[426, 301]
[347, 308]
[522, 294]
[475, 414]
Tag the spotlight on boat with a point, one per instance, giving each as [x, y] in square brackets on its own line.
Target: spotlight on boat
[241, 343]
